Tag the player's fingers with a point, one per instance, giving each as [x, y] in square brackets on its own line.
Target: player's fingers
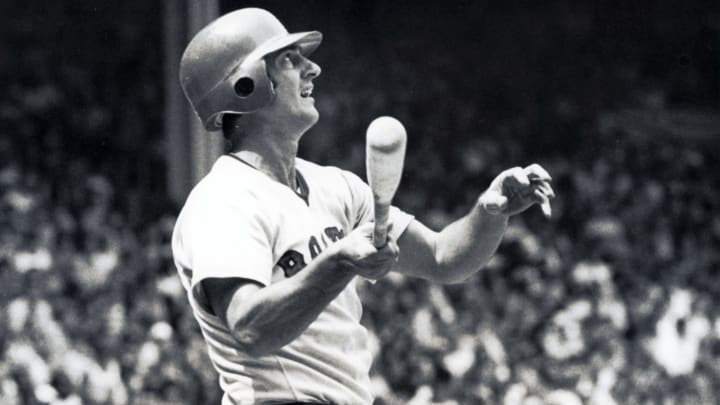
[382, 262]
[539, 196]
[546, 188]
[389, 241]
[544, 203]
[518, 176]
[392, 249]
[366, 228]
[537, 172]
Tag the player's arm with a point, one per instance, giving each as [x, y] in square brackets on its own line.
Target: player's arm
[466, 245]
[264, 318]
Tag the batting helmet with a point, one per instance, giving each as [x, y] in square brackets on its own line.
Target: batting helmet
[223, 69]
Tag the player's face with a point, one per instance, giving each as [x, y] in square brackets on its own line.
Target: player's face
[292, 75]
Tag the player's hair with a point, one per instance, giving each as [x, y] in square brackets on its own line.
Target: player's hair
[231, 131]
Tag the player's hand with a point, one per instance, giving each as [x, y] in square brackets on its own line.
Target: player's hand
[357, 254]
[515, 190]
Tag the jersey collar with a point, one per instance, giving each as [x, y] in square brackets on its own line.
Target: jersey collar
[301, 188]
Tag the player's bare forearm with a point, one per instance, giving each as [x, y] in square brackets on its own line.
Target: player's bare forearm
[264, 318]
[466, 245]
[456, 252]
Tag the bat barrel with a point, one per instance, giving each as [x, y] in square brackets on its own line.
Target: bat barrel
[385, 154]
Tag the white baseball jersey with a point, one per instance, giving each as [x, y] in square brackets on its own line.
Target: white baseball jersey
[238, 222]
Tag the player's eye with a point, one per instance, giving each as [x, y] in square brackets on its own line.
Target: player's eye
[288, 60]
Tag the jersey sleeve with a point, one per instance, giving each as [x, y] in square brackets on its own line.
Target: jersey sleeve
[221, 241]
[362, 207]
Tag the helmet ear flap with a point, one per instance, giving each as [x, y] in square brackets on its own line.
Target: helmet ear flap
[251, 86]
[246, 90]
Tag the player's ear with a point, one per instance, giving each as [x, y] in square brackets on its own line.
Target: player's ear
[270, 68]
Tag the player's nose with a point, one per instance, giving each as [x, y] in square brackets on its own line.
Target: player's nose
[311, 69]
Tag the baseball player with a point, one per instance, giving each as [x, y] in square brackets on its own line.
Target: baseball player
[270, 247]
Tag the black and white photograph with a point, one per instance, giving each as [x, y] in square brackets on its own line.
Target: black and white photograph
[359, 202]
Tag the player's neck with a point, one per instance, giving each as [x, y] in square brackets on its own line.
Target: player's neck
[270, 145]
[275, 159]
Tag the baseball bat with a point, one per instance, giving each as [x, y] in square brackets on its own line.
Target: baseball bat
[385, 155]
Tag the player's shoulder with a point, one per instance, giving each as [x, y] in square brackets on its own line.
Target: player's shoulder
[332, 180]
[307, 167]
[227, 181]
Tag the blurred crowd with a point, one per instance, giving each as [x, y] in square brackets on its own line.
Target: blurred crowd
[611, 301]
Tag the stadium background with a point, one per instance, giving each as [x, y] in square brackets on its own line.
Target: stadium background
[613, 300]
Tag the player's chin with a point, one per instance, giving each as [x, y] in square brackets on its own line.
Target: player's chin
[312, 115]
[307, 119]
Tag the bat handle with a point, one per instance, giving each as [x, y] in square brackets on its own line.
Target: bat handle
[382, 212]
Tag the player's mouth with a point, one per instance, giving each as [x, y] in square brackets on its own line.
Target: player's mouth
[306, 92]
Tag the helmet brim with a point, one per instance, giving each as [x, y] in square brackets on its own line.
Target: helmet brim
[307, 41]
